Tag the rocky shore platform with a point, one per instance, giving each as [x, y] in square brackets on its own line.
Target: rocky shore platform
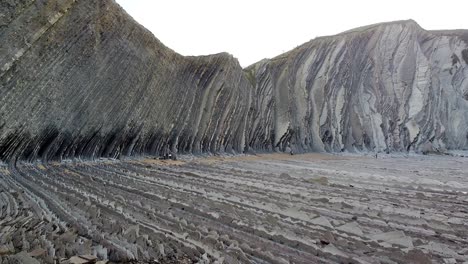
[272, 208]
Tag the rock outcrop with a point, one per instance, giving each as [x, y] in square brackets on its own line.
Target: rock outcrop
[263, 209]
[83, 79]
[385, 87]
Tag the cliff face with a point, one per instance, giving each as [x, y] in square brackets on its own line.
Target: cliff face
[82, 79]
[385, 87]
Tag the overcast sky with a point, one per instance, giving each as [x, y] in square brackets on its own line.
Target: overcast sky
[255, 29]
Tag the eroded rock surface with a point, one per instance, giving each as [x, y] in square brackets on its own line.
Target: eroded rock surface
[83, 79]
[238, 210]
[385, 87]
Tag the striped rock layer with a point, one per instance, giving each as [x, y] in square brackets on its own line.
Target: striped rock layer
[385, 87]
[83, 79]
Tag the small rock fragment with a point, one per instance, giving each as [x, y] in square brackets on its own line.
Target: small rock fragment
[78, 260]
[286, 176]
[37, 252]
[322, 221]
[395, 238]
[326, 238]
[416, 256]
[24, 258]
[320, 180]
[352, 228]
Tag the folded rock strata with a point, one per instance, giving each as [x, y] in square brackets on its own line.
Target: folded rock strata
[83, 79]
[385, 87]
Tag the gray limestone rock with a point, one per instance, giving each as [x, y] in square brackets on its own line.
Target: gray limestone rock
[83, 79]
[351, 228]
[385, 87]
[395, 238]
[23, 258]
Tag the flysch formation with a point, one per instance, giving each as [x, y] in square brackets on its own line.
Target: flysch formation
[276, 208]
[83, 85]
[83, 79]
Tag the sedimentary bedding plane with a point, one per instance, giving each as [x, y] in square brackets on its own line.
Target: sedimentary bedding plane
[83, 79]
[276, 208]
[85, 90]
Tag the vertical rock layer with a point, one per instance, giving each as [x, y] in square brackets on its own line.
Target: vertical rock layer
[385, 87]
[82, 79]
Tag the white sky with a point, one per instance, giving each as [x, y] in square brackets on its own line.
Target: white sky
[255, 29]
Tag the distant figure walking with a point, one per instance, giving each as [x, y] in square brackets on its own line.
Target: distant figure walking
[167, 154]
[289, 149]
